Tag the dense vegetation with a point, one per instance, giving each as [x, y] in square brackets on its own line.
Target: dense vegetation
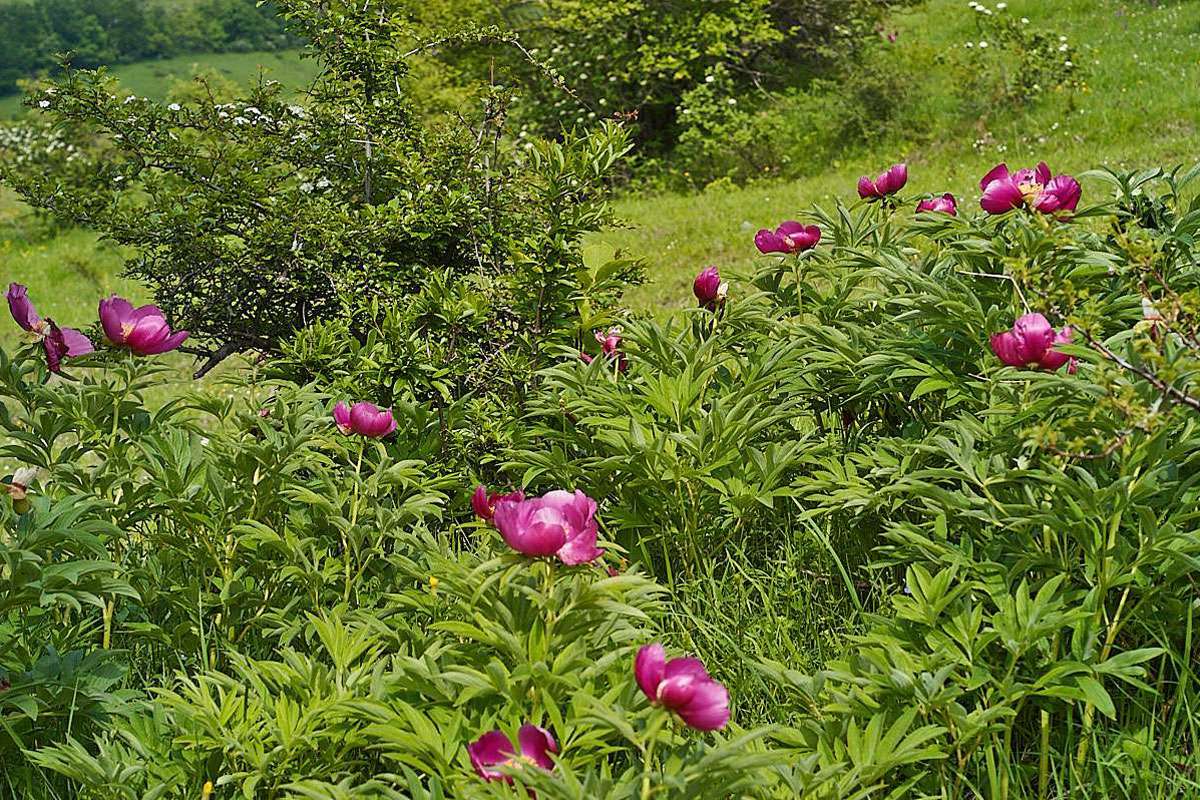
[917, 487]
[99, 32]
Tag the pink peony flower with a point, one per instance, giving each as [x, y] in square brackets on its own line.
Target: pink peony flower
[143, 330]
[946, 204]
[682, 685]
[709, 289]
[1030, 343]
[790, 237]
[484, 502]
[495, 749]
[57, 343]
[885, 185]
[1033, 188]
[365, 419]
[558, 524]
[610, 346]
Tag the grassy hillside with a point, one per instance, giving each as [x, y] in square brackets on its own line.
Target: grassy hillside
[1142, 108]
[154, 79]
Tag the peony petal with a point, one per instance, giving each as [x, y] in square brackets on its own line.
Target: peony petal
[708, 709]
[480, 504]
[1062, 193]
[165, 345]
[536, 745]
[686, 666]
[894, 179]
[341, 416]
[676, 693]
[22, 307]
[581, 547]
[1001, 196]
[77, 344]
[1034, 335]
[1004, 345]
[489, 750]
[1052, 359]
[866, 189]
[649, 667]
[997, 173]
[706, 284]
[769, 242]
[115, 312]
[1042, 173]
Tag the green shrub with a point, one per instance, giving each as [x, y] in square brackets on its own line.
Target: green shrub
[631, 57]
[403, 259]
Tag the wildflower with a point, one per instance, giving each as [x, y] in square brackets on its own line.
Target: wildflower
[886, 184]
[494, 749]
[610, 346]
[559, 523]
[142, 330]
[682, 685]
[365, 419]
[709, 289]
[789, 237]
[946, 204]
[1034, 188]
[484, 502]
[58, 343]
[1030, 343]
[433, 584]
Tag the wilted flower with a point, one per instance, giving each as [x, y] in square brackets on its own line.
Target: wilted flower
[365, 419]
[18, 488]
[484, 502]
[886, 184]
[495, 749]
[143, 330]
[1030, 343]
[789, 237]
[946, 204]
[558, 524]
[1034, 188]
[709, 289]
[58, 343]
[683, 686]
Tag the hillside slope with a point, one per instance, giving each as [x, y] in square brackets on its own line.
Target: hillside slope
[1141, 108]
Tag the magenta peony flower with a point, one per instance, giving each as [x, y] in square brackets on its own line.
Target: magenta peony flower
[885, 185]
[494, 749]
[484, 502]
[946, 204]
[610, 346]
[682, 685]
[143, 330]
[1030, 343]
[365, 419]
[558, 524]
[22, 308]
[1034, 188]
[709, 289]
[57, 343]
[790, 237]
